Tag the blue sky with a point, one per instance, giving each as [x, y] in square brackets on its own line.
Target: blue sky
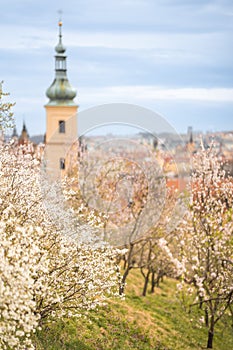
[171, 56]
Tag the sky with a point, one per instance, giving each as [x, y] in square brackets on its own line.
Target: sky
[173, 57]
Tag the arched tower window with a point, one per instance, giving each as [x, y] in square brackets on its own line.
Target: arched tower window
[62, 126]
[62, 163]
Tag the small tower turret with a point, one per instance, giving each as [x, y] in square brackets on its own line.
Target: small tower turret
[14, 133]
[24, 137]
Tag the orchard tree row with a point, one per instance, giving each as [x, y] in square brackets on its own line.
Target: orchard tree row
[55, 256]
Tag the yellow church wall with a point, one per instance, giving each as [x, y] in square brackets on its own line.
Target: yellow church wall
[58, 144]
[54, 115]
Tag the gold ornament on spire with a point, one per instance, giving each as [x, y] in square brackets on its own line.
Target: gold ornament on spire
[60, 18]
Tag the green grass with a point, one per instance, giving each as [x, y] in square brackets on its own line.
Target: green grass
[155, 322]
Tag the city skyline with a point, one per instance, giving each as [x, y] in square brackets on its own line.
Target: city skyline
[173, 57]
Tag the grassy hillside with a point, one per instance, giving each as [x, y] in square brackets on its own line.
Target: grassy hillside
[155, 322]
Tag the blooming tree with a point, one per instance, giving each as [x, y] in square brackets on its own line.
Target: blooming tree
[206, 240]
[47, 267]
[123, 185]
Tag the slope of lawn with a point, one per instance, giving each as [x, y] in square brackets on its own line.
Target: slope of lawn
[156, 322]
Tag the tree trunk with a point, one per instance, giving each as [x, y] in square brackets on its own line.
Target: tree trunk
[157, 281]
[159, 278]
[146, 283]
[206, 317]
[125, 263]
[210, 340]
[128, 267]
[211, 334]
[153, 282]
[122, 285]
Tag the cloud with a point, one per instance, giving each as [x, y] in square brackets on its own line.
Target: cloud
[165, 52]
[140, 94]
[31, 37]
[202, 108]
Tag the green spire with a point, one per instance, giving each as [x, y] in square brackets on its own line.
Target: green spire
[60, 91]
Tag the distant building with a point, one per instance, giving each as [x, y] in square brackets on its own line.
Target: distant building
[24, 136]
[36, 149]
[190, 144]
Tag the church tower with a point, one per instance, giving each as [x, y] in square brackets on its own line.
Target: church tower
[61, 115]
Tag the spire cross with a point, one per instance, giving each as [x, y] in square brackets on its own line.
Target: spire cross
[60, 22]
[60, 15]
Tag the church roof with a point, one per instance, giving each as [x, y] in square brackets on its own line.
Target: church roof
[60, 91]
